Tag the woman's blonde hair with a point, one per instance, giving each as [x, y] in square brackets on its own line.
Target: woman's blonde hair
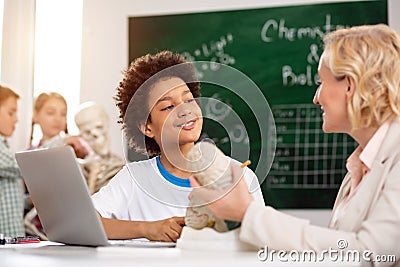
[370, 56]
[39, 103]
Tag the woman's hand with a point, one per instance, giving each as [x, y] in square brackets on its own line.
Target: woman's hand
[228, 204]
[168, 230]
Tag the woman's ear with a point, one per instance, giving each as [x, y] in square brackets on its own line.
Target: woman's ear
[351, 86]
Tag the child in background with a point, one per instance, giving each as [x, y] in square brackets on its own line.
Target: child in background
[161, 118]
[11, 185]
[50, 113]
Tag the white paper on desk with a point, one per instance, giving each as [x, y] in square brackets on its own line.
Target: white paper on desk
[209, 239]
[141, 243]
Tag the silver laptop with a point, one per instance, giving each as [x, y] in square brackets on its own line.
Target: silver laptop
[62, 199]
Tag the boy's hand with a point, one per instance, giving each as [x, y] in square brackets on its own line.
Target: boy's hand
[168, 230]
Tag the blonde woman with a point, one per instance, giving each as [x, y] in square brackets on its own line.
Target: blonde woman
[359, 95]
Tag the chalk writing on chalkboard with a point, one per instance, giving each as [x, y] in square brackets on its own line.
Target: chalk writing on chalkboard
[212, 52]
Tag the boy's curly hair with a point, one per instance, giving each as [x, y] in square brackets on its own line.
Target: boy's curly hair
[138, 75]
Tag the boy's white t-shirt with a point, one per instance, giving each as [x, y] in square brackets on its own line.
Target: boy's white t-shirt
[139, 192]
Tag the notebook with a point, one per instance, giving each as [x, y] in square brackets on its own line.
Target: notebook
[59, 192]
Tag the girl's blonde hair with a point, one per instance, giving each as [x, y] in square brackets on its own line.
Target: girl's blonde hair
[39, 103]
[370, 56]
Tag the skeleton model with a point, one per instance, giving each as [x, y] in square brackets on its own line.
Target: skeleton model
[212, 168]
[93, 124]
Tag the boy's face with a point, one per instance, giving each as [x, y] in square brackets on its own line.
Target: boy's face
[175, 115]
[8, 116]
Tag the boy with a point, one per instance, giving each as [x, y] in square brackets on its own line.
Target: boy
[11, 185]
[160, 117]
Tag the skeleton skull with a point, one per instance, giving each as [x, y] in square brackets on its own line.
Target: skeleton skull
[92, 121]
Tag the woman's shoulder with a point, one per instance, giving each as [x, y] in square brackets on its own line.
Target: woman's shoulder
[392, 139]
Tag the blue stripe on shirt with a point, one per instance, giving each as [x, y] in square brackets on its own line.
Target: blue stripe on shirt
[171, 178]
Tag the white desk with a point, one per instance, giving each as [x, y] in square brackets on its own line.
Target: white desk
[46, 254]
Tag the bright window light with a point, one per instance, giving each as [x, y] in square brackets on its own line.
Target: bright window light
[1, 30]
[58, 42]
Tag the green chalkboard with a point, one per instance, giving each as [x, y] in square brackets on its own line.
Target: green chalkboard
[278, 49]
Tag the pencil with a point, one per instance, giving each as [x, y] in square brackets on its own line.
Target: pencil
[246, 163]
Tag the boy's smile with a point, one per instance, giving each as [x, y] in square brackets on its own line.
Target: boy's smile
[188, 125]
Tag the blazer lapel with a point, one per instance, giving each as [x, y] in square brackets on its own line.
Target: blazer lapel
[371, 185]
[361, 202]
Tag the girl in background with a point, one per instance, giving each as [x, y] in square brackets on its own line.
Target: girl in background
[11, 185]
[50, 113]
